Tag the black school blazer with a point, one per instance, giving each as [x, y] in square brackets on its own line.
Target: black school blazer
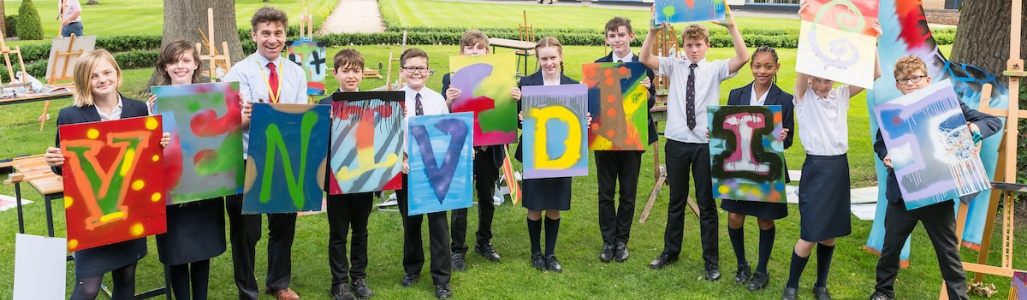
[130, 108]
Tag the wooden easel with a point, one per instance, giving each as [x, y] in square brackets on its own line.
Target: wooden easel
[67, 54]
[1005, 168]
[214, 58]
[388, 75]
[7, 51]
[666, 45]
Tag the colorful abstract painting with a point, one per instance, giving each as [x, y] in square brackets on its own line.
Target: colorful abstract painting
[930, 146]
[905, 32]
[440, 163]
[310, 55]
[619, 105]
[113, 189]
[485, 83]
[1018, 289]
[204, 158]
[39, 267]
[747, 153]
[367, 141]
[288, 158]
[681, 11]
[511, 180]
[837, 41]
[554, 136]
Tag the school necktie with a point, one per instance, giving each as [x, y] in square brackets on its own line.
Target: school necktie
[690, 96]
[273, 82]
[418, 108]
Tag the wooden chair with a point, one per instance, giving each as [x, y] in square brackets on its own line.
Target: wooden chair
[526, 34]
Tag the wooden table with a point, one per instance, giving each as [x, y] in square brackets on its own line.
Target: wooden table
[26, 98]
[522, 46]
[35, 171]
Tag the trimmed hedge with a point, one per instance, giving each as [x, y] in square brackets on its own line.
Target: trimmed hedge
[29, 26]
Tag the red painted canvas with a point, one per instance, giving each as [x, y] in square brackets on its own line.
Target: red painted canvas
[113, 183]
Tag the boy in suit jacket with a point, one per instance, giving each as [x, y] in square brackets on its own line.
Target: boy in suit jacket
[614, 221]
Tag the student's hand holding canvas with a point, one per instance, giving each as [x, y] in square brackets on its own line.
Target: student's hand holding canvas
[515, 93]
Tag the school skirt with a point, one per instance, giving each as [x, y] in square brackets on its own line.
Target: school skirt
[546, 193]
[196, 232]
[101, 260]
[824, 198]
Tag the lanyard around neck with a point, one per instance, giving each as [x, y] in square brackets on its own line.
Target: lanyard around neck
[278, 92]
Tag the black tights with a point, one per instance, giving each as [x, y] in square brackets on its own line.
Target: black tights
[124, 285]
[193, 274]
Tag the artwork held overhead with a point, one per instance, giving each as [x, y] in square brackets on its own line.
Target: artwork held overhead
[681, 11]
[485, 83]
[288, 157]
[310, 55]
[111, 191]
[554, 134]
[367, 141]
[619, 106]
[837, 41]
[747, 153]
[440, 162]
[204, 121]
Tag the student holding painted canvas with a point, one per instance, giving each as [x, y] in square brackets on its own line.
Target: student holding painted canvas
[264, 77]
[487, 161]
[695, 84]
[196, 230]
[824, 198]
[420, 100]
[97, 80]
[611, 166]
[939, 219]
[347, 211]
[762, 90]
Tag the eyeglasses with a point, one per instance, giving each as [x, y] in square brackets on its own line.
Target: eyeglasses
[910, 79]
[416, 69]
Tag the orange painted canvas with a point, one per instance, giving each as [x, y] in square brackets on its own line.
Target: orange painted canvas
[113, 181]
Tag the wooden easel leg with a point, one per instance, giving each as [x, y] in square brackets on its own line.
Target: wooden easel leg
[989, 227]
[42, 118]
[660, 180]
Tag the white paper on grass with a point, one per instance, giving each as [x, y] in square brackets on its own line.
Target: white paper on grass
[39, 264]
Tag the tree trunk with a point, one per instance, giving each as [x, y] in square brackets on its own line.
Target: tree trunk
[3, 22]
[184, 19]
[982, 38]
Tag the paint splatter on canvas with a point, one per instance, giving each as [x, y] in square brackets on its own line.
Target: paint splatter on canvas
[554, 130]
[837, 41]
[619, 106]
[111, 191]
[747, 153]
[440, 162]
[930, 146]
[1018, 289]
[367, 141]
[206, 138]
[288, 158]
[485, 83]
[681, 11]
[311, 56]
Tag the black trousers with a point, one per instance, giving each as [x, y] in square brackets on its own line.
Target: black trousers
[613, 167]
[244, 233]
[682, 158]
[345, 212]
[485, 176]
[438, 240]
[939, 221]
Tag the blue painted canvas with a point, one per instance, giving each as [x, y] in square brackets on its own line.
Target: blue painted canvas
[930, 146]
[747, 153]
[553, 132]
[681, 11]
[288, 158]
[367, 141]
[440, 161]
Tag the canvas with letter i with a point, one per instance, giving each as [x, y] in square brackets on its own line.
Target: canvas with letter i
[554, 135]
[205, 125]
[367, 141]
[747, 153]
[931, 149]
[440, 162]
[288, 158]
[113, 189]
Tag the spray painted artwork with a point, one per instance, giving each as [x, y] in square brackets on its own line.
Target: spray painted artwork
[288, 158]
[930, 146]
[113, 189]
[619, 106]
[837, 41]
[747, 153]
[681, 11]
[204, 122]
[311, 56]
[367, 141]
[440, 163]
[554, 131]
[485, 83]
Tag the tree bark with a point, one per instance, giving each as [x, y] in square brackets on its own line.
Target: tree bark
[982, 38]
[184, 19]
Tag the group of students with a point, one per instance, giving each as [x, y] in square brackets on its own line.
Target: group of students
[195, 230]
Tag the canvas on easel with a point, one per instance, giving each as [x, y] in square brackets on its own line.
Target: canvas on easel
[64, 52]
[217, 61]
